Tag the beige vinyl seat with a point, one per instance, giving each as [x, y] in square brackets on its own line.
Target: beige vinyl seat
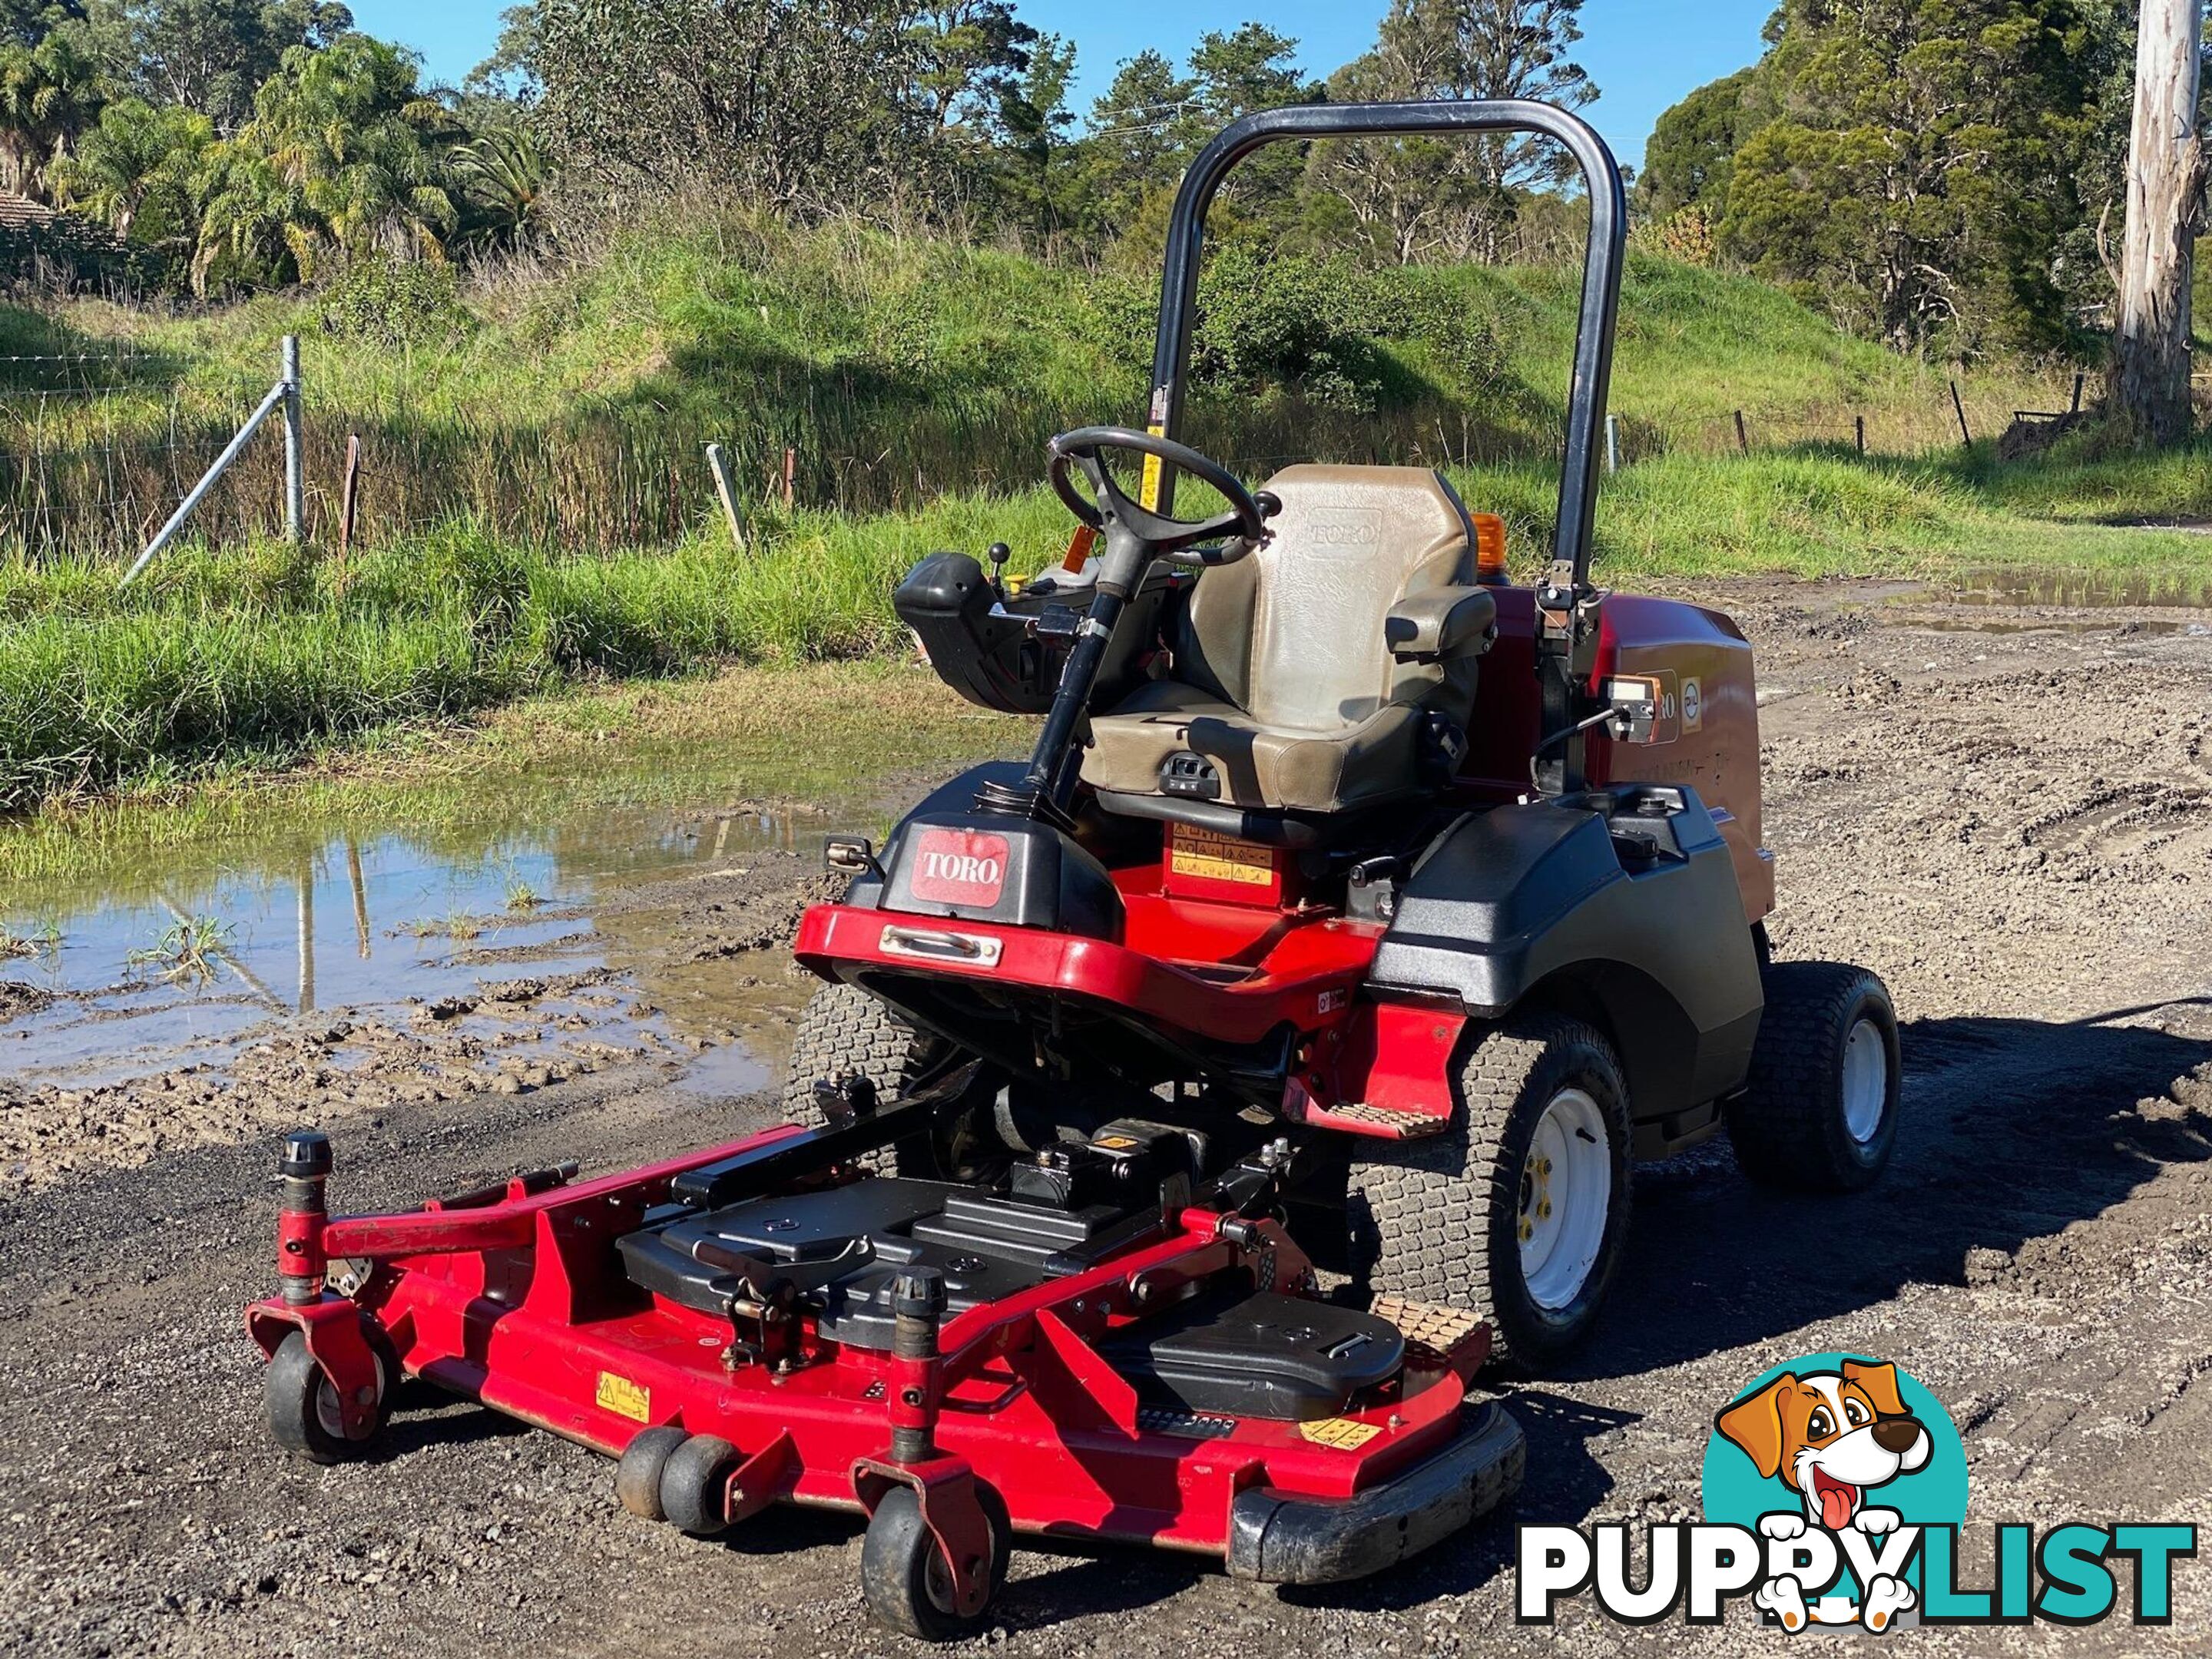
[1307, 673]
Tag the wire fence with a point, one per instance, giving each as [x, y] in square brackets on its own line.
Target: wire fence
[96, 449]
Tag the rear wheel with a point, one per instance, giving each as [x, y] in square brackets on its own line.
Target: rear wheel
[1520, 1212]
[1819, 1112]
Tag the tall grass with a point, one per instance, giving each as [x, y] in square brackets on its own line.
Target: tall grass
[568, 407]
[258, 656]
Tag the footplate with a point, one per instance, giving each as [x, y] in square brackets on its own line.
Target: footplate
[1449, 1335]
[1379, 1122]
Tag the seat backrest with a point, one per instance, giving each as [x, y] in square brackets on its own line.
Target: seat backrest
[1293, 635]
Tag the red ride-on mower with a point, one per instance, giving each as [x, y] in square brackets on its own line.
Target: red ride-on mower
[1298, 940]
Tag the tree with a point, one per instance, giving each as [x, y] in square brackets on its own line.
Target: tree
[2166, 172]
[342, 154]
[1134, 148]
[1910, 165]
[1691, 154]
[502, 174]
[1034, 119]
[1459, 197]
[1154, 119]
[213, 55]
[796, 106]
[50, 91]
[134, 171]
[509, 75]
[968, 56]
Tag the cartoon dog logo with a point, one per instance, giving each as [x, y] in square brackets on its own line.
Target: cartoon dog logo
[1831, 1438]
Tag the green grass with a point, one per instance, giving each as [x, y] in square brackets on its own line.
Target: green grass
[257, 660]
[568, 406]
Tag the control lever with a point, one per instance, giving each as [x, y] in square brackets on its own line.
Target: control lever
[998, 553]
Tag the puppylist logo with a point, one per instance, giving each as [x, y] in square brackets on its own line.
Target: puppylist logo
[1835, 1494]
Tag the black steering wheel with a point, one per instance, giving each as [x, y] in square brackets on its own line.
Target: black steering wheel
[1244, 526]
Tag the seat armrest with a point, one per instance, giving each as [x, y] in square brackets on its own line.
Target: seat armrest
[1441, 624]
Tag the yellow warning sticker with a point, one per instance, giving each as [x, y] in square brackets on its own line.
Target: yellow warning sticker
[1210, 856]
[1342, 1432]
[624, 1398]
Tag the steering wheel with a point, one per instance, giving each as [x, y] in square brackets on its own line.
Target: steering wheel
[1176, 540]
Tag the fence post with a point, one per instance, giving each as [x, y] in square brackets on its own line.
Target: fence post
[348, 494]
[719, 465]
[1742, 437]
[790, 477]
[1613, 443]
[296, 481]
[1861, 421]
[1965, 436]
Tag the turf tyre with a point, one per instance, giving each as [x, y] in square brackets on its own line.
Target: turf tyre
[1803, 1122]
[1439, 1219]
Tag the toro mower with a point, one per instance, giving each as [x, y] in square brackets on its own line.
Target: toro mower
[1191, 1113]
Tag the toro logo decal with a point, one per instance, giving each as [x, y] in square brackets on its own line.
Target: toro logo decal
[958, 866]
[1835, 1494]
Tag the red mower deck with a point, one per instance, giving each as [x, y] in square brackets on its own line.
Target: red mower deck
[514, 1297]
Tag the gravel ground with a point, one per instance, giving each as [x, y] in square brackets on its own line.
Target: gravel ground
[2012, 823]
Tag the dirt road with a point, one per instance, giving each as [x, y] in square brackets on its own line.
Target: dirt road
[2012, 823]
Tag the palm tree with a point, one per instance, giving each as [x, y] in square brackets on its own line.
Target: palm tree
[340, 157]
[255, 225]
[504, 173]
[348, 130]
[134, 169]
[48, 93]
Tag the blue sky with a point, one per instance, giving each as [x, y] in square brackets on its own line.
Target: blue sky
[1643, 54]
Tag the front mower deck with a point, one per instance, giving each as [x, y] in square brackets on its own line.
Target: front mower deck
[750, 1324]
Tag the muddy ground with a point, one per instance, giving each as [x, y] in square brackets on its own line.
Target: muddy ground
[2008, 813]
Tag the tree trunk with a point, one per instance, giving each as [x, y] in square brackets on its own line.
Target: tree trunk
[2149, 385]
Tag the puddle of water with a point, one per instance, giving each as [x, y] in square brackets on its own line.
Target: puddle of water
[1976, 624]
[377, 922]
[2099, 589]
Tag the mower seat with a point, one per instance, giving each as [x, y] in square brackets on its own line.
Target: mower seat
[1311, 675]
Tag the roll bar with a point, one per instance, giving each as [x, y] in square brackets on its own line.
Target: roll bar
[1566, 603]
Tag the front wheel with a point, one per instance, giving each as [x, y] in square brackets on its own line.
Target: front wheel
[905, 1578]
[304, 1415]
[1819, 1111]
[1519, 1213]
[846, 1033]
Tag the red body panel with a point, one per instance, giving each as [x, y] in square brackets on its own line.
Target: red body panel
[1227, 972]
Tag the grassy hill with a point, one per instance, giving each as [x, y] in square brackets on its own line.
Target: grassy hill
[568, 407]
[537, 513]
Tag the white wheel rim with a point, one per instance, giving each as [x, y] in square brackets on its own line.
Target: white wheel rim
[1866, 1081]
[1566, 1197]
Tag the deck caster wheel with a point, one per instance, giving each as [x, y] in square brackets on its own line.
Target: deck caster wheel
[637, 1475]
[693, 1479]
[905, 1578]
[1819, 1111]
[304, 1416]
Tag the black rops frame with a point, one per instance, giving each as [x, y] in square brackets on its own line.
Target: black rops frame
[1566, 601]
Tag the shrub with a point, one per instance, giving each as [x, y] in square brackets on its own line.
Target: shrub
[396, 302]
